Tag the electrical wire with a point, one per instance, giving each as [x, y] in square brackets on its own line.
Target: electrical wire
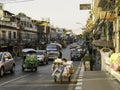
[13, 1]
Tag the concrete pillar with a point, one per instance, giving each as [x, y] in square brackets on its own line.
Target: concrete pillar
[104, 56]
[117, 49]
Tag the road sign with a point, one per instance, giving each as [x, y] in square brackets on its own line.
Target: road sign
[85, 6]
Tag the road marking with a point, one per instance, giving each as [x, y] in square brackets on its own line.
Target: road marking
[79, 83]
[41, 85]
[13, 80]
[79, 77]
[38, 81]
[99, 79]
[79, 80]
[78, 88]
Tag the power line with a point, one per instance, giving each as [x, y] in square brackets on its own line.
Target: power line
[13, 1]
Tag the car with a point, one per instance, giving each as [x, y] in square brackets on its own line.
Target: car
[6, 63]
[42, 57]
[76, 55]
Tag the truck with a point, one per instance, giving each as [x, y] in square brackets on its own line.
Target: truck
[54, 50]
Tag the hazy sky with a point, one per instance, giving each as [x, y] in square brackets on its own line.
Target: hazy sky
[62, 13]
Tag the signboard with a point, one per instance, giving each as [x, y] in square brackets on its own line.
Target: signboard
[85, 6]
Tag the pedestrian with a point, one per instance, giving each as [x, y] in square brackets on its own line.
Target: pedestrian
[87, 61]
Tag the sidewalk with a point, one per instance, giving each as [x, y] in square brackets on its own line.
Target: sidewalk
[95, 80]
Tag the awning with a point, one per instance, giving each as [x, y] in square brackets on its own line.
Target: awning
[102, 43]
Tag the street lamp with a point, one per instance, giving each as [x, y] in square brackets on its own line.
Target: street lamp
[83, 26]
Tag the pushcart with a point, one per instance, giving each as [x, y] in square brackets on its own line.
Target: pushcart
[62, 70]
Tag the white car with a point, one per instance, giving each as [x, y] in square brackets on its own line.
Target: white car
[41, 57]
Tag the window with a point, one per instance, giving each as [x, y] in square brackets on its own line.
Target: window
[14, 35]
[4, 34]
[9, 35]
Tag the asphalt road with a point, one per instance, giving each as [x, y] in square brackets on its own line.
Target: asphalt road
[40, 80]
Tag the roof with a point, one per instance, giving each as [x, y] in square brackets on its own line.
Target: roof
[28, 49]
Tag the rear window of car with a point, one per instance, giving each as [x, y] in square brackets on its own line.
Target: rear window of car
[40, 53]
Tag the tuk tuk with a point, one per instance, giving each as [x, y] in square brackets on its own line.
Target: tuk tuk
[29, 59]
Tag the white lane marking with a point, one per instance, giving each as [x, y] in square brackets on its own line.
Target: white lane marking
[80, 80]
[13, 80]
[81, 73]
[78, 88]
[80, 77]
[79, 83]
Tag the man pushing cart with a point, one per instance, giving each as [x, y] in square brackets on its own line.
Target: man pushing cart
[62, 68]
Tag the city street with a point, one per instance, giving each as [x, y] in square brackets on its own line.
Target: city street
[59, 44]
[40, 80]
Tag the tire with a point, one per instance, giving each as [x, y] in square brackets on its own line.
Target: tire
[12, 69]
[32, 69]
[69, 79]
[61, 79]
[2, 72]
[23, 68]
[36, 69]
[46, 62]
[55, 79]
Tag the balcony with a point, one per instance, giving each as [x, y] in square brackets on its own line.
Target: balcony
[9, 24]
[30, 29]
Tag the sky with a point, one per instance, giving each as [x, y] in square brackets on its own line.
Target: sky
[62, 13]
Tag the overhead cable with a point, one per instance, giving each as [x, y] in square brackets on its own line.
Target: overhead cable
[13, 1]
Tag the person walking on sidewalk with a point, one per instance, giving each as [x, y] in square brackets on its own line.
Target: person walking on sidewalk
[87, 61]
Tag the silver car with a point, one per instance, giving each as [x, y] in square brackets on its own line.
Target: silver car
[6, 63]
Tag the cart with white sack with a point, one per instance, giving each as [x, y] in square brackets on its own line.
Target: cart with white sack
[62, 70]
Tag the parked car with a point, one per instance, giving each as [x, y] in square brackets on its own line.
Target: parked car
[42, 57]
[6, 63]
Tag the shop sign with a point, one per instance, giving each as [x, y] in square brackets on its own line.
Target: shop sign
[85, 6]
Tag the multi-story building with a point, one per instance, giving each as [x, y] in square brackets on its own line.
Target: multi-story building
[8, 30]
[105, 32]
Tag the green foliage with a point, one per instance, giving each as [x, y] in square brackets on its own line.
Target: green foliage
[21, 14]
[87, 58]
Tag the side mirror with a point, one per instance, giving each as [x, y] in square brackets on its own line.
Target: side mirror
[6, 59]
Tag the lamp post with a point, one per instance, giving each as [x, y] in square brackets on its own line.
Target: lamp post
[83, 26]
